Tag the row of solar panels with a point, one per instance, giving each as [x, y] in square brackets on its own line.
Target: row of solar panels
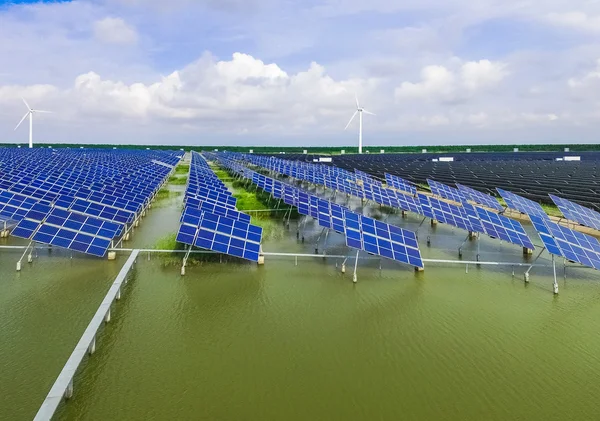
[557, 239]
[467, 217]
[576, 181]
[361, 232]
[210, 220]
[82, 219]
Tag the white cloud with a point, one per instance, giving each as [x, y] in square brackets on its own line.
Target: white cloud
[241, 92]
[482, 74]
[438, 83]
[115, 31]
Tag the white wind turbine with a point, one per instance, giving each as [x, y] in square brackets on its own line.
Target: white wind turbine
[30, 112]
[359, 110]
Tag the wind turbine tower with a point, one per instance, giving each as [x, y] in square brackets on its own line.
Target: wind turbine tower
[359, 110]
[29, 113]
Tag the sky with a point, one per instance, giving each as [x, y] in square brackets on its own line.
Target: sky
[284, 72]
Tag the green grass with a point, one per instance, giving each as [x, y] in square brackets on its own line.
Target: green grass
[177, 180]
[182, 169]
[551, 210]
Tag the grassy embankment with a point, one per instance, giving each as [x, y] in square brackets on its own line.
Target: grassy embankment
[251, 199]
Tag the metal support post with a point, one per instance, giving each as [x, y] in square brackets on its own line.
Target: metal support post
[555, 285]
[526, 275]
[354, 278]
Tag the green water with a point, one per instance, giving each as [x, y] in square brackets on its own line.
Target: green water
[233, 341]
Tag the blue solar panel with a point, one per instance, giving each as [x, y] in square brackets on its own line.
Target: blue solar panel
[400, 184]
[303, 203]
[565, 242]
[522, 204]
[445, 191]
[337, 217]
[382, 239]
[499, 226]
[575, 212]
[445, 212]
[68, 230]
[480, 198]
[223, 235]
[14, 206]
[352, 228]
[324, 209]
[407, 203]
[391, 242]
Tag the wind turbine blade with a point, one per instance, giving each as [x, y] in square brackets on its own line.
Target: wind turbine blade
[352, 118]
[26, 104]
[42, 111]
[24, 117]
[356, 97]
[368, 112]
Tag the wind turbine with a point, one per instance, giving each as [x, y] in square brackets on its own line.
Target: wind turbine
[30, 112]
[359, 110]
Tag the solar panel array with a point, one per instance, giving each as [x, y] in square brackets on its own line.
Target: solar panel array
[565, 242]
[522, 204]
[210, 219]
[79, 199]
[575, 212]
[361, 232]
[479, 197]
[447, 192]
[400, 183]
[467, 217]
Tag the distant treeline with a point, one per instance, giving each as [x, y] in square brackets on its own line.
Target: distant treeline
[350, 149]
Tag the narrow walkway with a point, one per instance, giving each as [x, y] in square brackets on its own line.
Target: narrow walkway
[63, 386]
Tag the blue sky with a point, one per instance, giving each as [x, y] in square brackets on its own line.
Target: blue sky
[283, 72]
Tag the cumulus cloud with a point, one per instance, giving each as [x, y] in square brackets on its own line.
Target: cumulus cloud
[115, 31]
[244, 90]
[438, 83]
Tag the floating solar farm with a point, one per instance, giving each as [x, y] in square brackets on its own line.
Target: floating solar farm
[89, 201]
[82, 200]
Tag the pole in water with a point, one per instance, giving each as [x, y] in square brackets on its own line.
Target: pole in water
[555, 285]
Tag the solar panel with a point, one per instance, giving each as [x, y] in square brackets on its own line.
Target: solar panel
[223, 235]
[390, 241]
[67, 230]
[479, 197]
[499, 226]
[522, 204]
[324, 210]
[575, 212]
[337, 217]
[445, 191]
[352, 228]
[445, 212]
[400, 183]
[15, 206]
[565, 242]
